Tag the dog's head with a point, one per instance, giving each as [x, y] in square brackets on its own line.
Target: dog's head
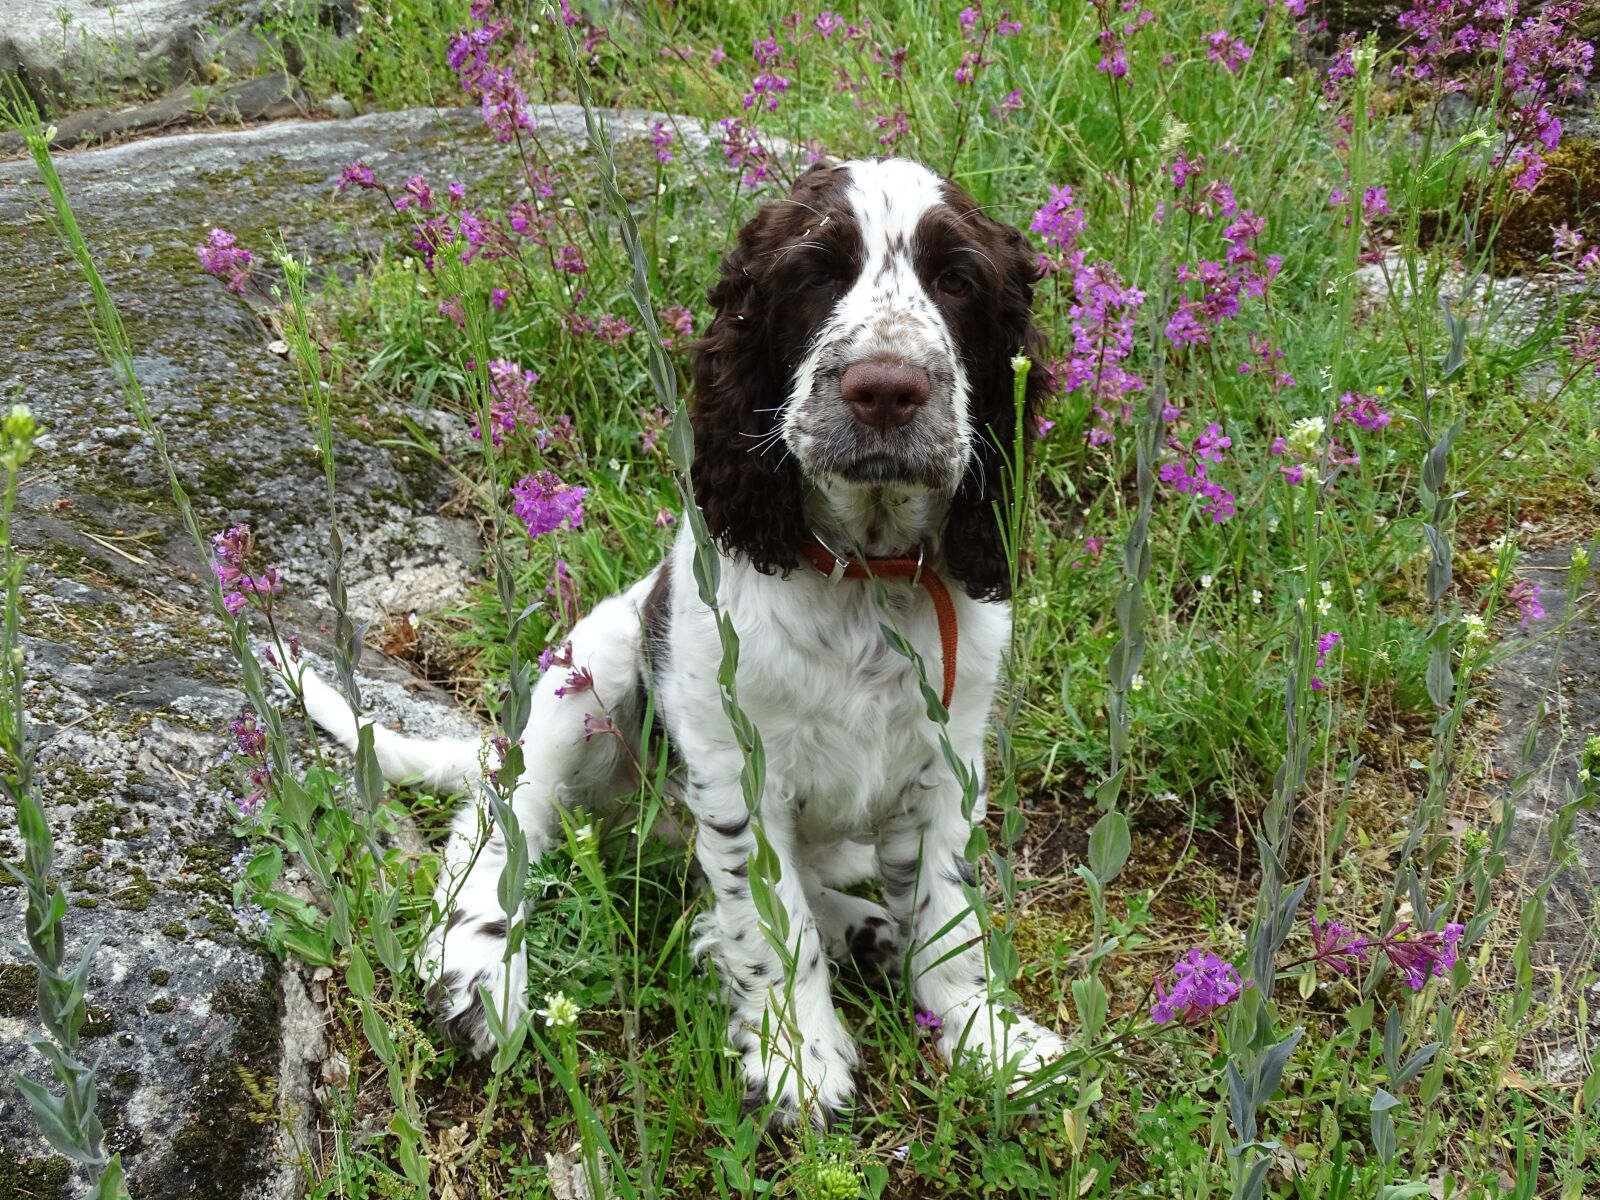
[861, 353]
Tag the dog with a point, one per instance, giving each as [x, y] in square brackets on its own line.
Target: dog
[853, 411]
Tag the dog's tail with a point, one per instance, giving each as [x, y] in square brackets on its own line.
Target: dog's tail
[435, 763]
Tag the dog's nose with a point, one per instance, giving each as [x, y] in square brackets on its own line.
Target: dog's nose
[884, 395]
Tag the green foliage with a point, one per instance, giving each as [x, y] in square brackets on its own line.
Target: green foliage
[1170, 708]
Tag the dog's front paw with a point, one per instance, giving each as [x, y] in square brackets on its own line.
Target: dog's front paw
[1000, 1041]
[462, 957]
[813, 1078]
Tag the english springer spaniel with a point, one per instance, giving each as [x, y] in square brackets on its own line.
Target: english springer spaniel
[851, 403]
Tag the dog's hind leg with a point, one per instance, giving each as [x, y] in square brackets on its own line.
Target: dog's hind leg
[580, 749]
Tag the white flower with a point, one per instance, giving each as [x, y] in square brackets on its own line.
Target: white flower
[1327, 588]
[559, 1011]
[1323, 607]
[585, 834]
[1304, 435]
[1476, 627]
[1206, 581]
[1255, 595]
[1137, 682]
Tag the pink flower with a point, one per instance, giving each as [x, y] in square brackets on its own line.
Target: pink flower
[1202, 984]
[357, 174]
[222, 256]
[544, 503]
[661, 138]
[1227, 51]
[1524, 598]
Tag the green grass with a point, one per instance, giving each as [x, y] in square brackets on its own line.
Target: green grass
[1397, 790]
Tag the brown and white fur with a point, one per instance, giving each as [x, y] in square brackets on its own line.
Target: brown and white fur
[886, 268]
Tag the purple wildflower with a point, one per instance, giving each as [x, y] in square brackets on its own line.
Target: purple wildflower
[1227, 51]
[661, 138]
[1361, 410]
[1335, 945]
[1009, 103]
[1202, 983]
[578, 681]
[612, 330]
[1423, 954]
[555, 656]
[677, 324]
[543, 503]
[928, 1021]
[222, 256]
[826, 22]
[357, 174]
[569, 259]
[1059, 221]
[1524, 597]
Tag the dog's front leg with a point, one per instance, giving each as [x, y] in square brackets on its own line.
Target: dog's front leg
[922, 860]
[783, 1023]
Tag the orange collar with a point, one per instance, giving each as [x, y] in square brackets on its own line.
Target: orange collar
[836, 568]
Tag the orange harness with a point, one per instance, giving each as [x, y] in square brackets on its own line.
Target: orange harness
[836, 568]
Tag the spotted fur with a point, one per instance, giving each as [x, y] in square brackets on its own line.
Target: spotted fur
[870, 260]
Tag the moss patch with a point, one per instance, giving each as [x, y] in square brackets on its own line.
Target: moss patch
[97, 1022]
[219, 1154]
[1569, 194]
[19, 991]
[32, 1178]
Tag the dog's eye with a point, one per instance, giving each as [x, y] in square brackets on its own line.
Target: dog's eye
[819, 275]
[954, 282]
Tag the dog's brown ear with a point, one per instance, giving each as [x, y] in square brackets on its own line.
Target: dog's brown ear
[746, 483]
[974, 549]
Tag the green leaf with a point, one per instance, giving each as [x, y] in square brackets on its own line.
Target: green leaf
[51, 1116]
[1109, 844]
[359, 974]
[111, 1185]
[1090, 999]
[310, 945]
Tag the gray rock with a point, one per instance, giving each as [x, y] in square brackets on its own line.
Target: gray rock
[72, 52]
[131, 683]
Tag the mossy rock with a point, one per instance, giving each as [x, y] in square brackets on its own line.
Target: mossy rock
[38, 1178]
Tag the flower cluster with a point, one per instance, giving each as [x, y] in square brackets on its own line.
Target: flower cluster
[493, 85]
[744, 151]
[1524, 69]
[251, 740]
[1187, 474]
[232, 551]
[1314, 460]
[509, 405]
[1325, 645]
[1423, 954]
[543, 503]
[1333, 944]
[222, 256]
[1524, 599]
[1201, 984]
[1361, 410]
[1227, 51]
[1114, 39]
[559, 1012]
